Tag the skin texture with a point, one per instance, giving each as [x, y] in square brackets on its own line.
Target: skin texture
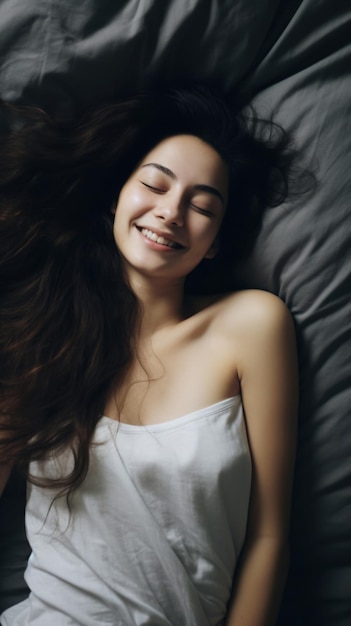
[190, 355]
[172, 201]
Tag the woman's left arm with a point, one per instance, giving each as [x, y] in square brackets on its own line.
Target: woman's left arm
[269, 387]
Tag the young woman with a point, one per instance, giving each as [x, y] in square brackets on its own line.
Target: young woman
[156, 427]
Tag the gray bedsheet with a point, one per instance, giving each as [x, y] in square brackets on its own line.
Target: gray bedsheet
[295, 59]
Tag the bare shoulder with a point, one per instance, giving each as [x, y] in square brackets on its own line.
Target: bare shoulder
[263, 331]
[248, 322]
[252, 311]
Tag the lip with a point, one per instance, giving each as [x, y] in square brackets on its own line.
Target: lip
[160, 233]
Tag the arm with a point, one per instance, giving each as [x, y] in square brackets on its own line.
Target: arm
[268, 374]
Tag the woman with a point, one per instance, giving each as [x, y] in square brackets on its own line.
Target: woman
[124, 392]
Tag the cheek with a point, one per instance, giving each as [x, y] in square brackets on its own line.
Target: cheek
[131, 202]
[131, 205]
[207, 231]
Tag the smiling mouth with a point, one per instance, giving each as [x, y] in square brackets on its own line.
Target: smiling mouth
[149, 234]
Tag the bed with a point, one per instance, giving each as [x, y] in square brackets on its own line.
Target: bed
[294, 59]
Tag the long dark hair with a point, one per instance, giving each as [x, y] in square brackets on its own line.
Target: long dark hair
[68, 317]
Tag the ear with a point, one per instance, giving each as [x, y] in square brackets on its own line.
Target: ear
[211, 253]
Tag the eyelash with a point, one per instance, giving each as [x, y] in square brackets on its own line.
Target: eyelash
[194, 206]
[202, 211]
[152, 188]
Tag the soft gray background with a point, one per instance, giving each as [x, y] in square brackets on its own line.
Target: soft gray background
[295, 59]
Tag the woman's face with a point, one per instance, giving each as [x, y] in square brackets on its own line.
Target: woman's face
[170, 209]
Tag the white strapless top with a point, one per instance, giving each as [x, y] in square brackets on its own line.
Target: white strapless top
[155, 529]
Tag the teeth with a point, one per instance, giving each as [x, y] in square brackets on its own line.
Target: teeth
[150, 235]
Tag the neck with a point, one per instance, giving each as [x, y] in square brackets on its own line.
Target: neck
[162, 303]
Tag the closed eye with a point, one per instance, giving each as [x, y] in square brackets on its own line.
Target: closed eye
[201, 210]
[160, 190]
[156, 189]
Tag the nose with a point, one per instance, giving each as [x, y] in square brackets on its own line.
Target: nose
[170, 211]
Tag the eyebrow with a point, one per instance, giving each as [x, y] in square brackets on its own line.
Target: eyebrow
[207, 188]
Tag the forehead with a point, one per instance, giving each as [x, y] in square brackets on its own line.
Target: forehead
[188, 156]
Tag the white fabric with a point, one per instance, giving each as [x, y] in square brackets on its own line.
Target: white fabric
[155, 530]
